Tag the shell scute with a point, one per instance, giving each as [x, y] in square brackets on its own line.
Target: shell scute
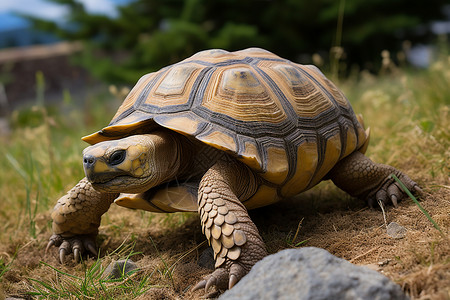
[286, 121]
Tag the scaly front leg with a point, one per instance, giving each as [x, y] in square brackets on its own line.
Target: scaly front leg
[234, 237]
[76, 218]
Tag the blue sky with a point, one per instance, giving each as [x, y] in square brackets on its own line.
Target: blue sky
[48, 10]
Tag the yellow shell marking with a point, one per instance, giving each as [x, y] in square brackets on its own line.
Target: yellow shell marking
[306, 166]
[265, 195]
[181, 124]
[331, 156]
[219, 140]
[277, 165]
[251, 157]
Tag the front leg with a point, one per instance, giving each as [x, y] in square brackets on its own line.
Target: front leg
[76, 218]
[225, 221]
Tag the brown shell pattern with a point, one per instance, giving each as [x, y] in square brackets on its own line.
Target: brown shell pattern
[284, 120]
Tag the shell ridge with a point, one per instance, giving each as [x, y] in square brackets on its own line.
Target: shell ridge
[322, 88]
[343, 136]
[196, 97]
[286, 106]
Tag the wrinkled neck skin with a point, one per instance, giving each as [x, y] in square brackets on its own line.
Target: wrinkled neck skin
[171, 153]
[176, 158]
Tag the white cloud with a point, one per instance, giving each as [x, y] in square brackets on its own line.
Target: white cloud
[105, 7]
[39, 8]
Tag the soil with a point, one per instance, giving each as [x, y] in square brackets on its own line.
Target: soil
[324, 216]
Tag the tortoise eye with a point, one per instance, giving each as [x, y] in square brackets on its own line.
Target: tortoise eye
[117, 157]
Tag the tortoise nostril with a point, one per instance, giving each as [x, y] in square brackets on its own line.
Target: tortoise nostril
[88, 161]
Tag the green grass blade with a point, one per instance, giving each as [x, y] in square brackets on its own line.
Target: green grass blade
[17, 167]
[405, 189]
[59, 271]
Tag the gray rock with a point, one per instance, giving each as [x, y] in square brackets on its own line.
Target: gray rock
[117, 269]
[396, 231]
[312, 273]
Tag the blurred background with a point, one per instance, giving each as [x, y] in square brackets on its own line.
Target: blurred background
[78, 44]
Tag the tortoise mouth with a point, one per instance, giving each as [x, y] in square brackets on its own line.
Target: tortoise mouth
[123, 183]
[102, 178]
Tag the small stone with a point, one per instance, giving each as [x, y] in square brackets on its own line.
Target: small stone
[119, 269]
[396, 231]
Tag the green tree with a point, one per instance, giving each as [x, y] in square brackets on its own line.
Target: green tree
[149, 34]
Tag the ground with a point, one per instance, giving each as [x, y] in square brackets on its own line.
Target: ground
[419, 263]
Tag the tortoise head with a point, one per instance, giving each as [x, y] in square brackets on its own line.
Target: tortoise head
[132, 164]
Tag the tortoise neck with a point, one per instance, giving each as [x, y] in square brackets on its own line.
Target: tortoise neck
[185, 158]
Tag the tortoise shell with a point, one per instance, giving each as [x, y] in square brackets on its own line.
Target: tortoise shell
[284, 120]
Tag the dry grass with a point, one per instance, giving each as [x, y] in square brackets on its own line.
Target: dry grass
[409, 116]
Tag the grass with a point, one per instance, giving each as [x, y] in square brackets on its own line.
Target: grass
[407, 110]
[413, 198]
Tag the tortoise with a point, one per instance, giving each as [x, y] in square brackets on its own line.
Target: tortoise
[220, 133]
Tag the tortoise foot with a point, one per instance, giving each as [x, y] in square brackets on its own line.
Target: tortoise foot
[78, 245]
[222, 278]
[392, 192]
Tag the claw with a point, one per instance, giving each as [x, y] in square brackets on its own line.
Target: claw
[91, 248]
[394, 200]
[49, 245]
[418, 189]
[211, 281]
[62, 255]
[381, 196]
[233, 280]
[76, 255]
[199, 285]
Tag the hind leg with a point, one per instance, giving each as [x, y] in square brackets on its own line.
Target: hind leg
[361, 177]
